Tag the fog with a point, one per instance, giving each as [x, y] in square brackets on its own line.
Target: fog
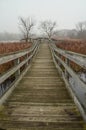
[67, 13]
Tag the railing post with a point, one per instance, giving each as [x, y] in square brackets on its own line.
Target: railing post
[16, 62]
[2, 90]
[66, 73]
[58, 60]
[26, 56]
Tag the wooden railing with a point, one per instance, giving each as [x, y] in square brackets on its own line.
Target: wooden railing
[78, 90]
[13, 75]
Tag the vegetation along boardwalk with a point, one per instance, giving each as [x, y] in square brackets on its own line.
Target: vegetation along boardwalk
[41, 100]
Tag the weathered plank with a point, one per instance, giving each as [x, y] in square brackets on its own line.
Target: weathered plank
[41, 100]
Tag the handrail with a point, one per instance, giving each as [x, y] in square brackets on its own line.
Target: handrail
[79, 89]
[14, 55]
[15, 70]
[79, 59]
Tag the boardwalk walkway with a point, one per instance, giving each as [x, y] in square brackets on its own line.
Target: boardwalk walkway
[41, 100]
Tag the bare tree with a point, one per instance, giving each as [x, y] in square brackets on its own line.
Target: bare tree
[81, 29]
[26, 25]
[48, 28]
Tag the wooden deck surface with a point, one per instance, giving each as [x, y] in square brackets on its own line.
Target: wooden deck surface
[41, 100]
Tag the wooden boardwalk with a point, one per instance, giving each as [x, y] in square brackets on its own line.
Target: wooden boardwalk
[41, 100]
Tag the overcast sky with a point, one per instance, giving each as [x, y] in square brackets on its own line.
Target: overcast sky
[65, 12]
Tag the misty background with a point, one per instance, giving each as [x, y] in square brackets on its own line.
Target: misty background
[67, 14]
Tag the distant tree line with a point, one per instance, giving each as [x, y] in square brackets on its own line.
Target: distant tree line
[26, 26]
[81, 30]
[6, 36]
[48, 29]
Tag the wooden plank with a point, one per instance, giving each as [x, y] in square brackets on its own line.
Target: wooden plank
[45, 106]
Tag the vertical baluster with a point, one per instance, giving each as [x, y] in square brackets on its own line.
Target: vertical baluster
[66, 73]
[58, 60]
[16, 62]
[26, 57]
[1, 93]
